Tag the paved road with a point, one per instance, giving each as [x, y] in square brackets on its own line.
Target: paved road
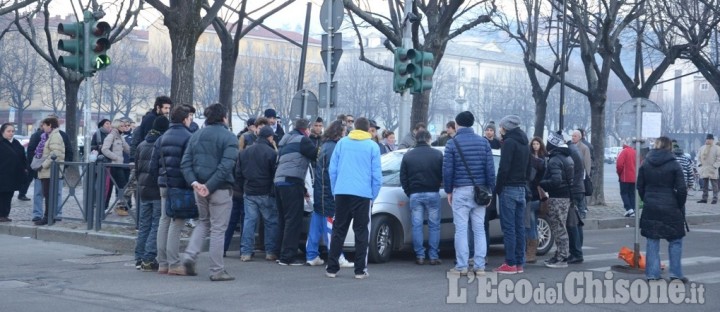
[42, 276]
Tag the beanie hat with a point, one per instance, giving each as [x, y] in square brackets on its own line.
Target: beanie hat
[555, 139]
[465, 119]
[102, 122]
[161, 124]
[709, 137]
[510, 122]
[270, 113]
[266, 132]
[250, 121]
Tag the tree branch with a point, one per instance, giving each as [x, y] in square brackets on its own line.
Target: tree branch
[375, 22]
[362, 48]
[158, 5]
[570, 85]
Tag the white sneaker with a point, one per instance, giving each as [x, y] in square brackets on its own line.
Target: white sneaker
[315, 262]
[630, 213]
[344, 263]
[190, 223]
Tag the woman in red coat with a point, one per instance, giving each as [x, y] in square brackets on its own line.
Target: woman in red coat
[13, 169]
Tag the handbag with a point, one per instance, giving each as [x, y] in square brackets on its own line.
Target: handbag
[588, 186]
[180, 202]
[481, 194]
[37, 163]
[544, 209]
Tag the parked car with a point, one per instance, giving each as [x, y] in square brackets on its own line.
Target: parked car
[391, 227]
[611, 154]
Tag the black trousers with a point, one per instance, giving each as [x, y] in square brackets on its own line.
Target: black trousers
[5, 200]
[356, 209]
[25, 185]
[290, 201]
[237, 215]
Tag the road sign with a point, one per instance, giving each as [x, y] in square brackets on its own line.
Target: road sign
[323, 94]
[626, 118]
[338, 14]
[337, 52]
[304, 105]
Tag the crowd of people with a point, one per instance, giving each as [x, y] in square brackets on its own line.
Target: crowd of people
[262, 179]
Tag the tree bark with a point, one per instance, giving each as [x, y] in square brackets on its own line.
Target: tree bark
[227, 77]
[597, 122]
[71, 112]
[183, 42]
[419, 112]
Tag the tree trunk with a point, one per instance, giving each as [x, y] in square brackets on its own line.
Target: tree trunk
[183, 41]
[227, 78]
[540, 116]
[71, 113]
[19, 120]
[597, 124]
[420, 105]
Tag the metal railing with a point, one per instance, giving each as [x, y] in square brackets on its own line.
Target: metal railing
[92, 178]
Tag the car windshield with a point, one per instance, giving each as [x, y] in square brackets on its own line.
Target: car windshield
[391, 166]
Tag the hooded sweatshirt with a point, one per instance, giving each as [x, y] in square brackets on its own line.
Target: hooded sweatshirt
[355, 166]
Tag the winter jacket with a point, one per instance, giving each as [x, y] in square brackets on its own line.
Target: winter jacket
[56, 146]
[35, 140]
[167, 155]
[578, 185]
[257, 168]
[514, 155]
[585, 156]
[625, 164]
[279, 132]
[441, 141]
[316, 140]
[407, 142]
[146, 182]
[421, 170]
[478, 155]
[559, 175]
[494, 143]
[323, 199]
[140, 133]
[709, 161]
[355, 166]
[246, 139]
[114, 146]
[537, 170]
[210, 158]
[663, 191]
[13, 165]
[97, 140]
[687, 166]
[296, 153]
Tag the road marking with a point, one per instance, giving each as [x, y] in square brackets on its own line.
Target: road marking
[706, 231]
[601, 257]
[707, 278]
[685, 262]
[588, 248]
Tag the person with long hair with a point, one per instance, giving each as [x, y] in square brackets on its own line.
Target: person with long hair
[13, 169]
[51, 143]
[663, 190]
[538, 156]
[388, 140]
[113, 148]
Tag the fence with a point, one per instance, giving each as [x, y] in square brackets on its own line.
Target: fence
[97, 185]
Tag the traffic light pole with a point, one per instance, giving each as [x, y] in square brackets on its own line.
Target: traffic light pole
[406, 103]
[88, 86]
[328, 68]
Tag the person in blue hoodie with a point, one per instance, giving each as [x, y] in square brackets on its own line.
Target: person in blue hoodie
[356, 162]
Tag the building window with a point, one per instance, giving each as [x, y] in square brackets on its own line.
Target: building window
[704, 86]
[462, 72]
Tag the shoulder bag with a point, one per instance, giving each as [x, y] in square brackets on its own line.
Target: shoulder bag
[180, 201]
[481, 195]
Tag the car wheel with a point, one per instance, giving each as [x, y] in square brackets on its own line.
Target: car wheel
[545, 237]
[382, 235]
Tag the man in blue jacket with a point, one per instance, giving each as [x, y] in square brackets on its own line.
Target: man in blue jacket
[208, 165]
[458, 177]
[356, 162]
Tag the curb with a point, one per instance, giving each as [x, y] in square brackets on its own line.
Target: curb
[126, 244]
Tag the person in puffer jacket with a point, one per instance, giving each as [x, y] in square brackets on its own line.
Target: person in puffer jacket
[146, 245]
[113, 148]
[663, 190]
[558, 182]
[323, 215]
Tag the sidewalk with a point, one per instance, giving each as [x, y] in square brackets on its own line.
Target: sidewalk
[121, 238]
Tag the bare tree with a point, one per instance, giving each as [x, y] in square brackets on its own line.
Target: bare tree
[185, 24]
[443, 21]
[230, 34]
[43, 44]
[21, 76]
[13, 5]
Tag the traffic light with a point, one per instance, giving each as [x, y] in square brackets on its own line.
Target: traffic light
[401, 70]
[74, 45]
[421, 70]
[99, 44]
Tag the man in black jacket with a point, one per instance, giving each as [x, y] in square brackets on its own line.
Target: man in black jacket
[421, 176]
[510, 187]
[558, 182]
[161, 108]
[574, 223]
[150, 206]
[256, 167]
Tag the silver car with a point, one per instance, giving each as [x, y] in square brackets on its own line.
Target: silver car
[391, 228]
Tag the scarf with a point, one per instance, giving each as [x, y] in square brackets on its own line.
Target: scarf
[41, 146]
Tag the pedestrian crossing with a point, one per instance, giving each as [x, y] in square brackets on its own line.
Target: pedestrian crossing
[702, 269]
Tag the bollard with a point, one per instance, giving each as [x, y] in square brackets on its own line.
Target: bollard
[89, 195]
[100, 191]
[52, 197]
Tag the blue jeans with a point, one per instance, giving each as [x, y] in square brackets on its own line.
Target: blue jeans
[575, 233]
[320, 229]
[237, 215]
[652, 269]
[627, 193]
[260, 205]
[531, 231]
[146, 246]
[512, 222]
[464, 209]
[419, 203]
[38, 207]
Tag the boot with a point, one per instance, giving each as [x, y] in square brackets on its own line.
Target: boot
[531, 250]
